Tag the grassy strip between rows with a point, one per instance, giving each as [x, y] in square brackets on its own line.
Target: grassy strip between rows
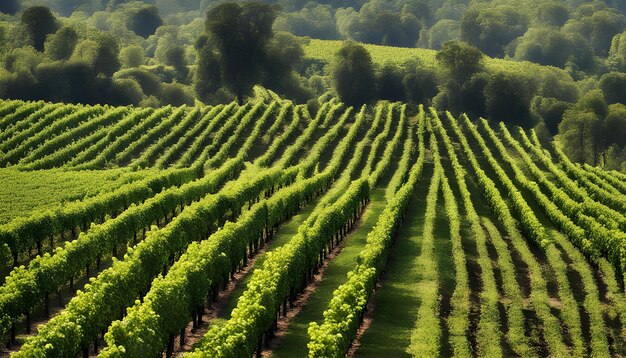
[539, 294]
[344, 314]
[426, 336]
[130, 335]
[295, 340]
[488, 325]
[534, 228]
[599, 344]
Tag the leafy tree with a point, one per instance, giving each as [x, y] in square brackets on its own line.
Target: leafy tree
[442, 32]
[420, 82]
[175, 57]
[10, 7]
[239, 33]
[508, 99]
[615, 126]
[613, 85]
[39, 23]
[421, 10]
[390, 83]
[380, 23]
[553, 14]
[549, 46]
[144, 21]
[100, 55]
[106, 61]
[284, 52]
[491, 29]
[551, 111]
[60, 45]
[176, 94]
[590, 127]
[605, 25]
[207, 77]
[460, 62]
[577, 134]
[617, 53]
[315, 20]
[149, 82]
[132, 56]
[353, 74]
[594, 102]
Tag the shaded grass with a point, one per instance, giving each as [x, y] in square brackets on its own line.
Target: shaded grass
[295, 340]
[397, 301]
[285, 232]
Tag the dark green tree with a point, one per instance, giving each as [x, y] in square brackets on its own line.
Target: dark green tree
[284, 53]
[590, 127]
[107, 61]
[460, 62]
[491, 29]
[420, 82]
[239, 33]
[144, 21]
[613, 85]
[353, 74]
[60, 46]
[207, 76]
[175, 57]
[551, 111]
[553, 14]
[605, 25]
[507, 99]
[39, 23]
[390, 85]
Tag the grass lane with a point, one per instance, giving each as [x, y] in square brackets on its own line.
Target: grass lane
[396, 302]
[295, 338]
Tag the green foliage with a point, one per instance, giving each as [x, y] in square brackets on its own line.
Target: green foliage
[10, 7]
[39, 23]
[60, 45]
[144, 20]
[508, 97]
[553, 47]
[240, 33]
[460, 60]
[613, 86]
[132, 56]
[378, 22]
[492, 28]
[353, 74]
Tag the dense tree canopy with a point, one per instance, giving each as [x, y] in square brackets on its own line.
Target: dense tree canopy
[491, 29]
[60, 45]
[144, 21]
[353, 74]
[239, 33]
[39, 23]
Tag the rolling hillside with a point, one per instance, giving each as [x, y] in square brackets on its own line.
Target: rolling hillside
[264, 229]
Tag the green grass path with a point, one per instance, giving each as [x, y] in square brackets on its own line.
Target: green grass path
[295, 339]
[284, 233]
[396, 302]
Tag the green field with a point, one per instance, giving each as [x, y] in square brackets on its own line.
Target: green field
[264, 229]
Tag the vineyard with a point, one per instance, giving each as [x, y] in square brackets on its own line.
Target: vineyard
[265, 230]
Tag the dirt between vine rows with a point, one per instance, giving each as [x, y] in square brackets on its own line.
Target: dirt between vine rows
[217, 308]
